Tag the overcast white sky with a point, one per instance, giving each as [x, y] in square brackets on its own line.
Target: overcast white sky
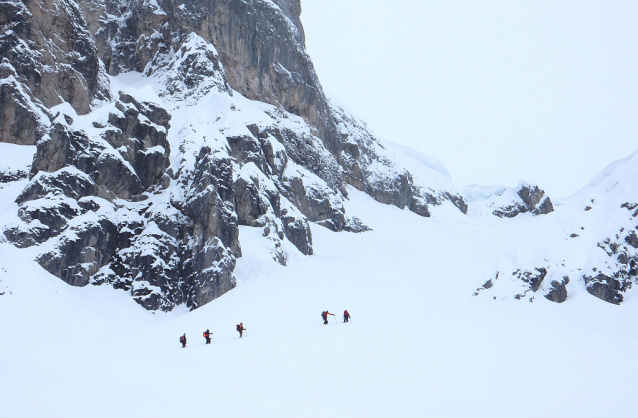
[500, 91]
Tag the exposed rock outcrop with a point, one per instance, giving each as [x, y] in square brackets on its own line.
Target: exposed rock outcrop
[558, 291]
[48, 46]
[24, 121]
[607, 288]
[618, 271]
[506, 202]
[531, 199]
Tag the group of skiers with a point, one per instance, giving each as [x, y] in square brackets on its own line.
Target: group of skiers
[209, 335]
[324, 315]
[240, 327]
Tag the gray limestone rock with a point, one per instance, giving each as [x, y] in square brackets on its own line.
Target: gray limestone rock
[248, 204]
[253, 201]
[67, 182]
[23, 122]
[54, 214]
[191, 73]
[632, 239]
[356, 225]
[535, 200]
[63, 147]
[457, 200]
[606, 288]
[25, 236]
[532, 199]
[544, 207]
[261, 47]
[9, 176]
[64, 67]
[141, 132]
[532, 278]
[487, 285]
[510, 211]
[81, 253]
[395, 191]
[248, 149]
[319, 204]
[297, 231]
[208, 201]
[558, 291]
[105, 167]
[155, 276]
[274, 234]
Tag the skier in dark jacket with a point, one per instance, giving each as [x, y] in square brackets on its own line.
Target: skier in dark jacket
[324, 315]
[346, 316]
[207, 335]
[241, 329]
[182, 340]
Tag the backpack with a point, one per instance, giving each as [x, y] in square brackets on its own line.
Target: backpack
[205, 334]
[323, 314]
[238, 327]
[181, 339]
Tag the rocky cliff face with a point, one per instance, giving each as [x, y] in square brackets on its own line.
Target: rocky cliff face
[161, 127]
[260, 43]
[48, 57]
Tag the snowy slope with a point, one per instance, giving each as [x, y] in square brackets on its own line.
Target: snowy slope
[418, 345]
[588, 243]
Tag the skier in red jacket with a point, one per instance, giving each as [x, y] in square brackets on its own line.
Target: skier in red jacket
[241, 329]
[324, 315]
[182, 340]
[346, 316]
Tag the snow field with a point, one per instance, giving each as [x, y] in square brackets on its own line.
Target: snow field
[418, 345]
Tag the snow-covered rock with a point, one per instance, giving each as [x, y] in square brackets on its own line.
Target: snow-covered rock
[193, 118]
[589, 242]
[507, 202]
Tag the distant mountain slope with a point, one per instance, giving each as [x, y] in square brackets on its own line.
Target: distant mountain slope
[589, 242]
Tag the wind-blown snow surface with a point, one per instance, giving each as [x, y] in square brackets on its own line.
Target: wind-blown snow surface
[418, 345]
